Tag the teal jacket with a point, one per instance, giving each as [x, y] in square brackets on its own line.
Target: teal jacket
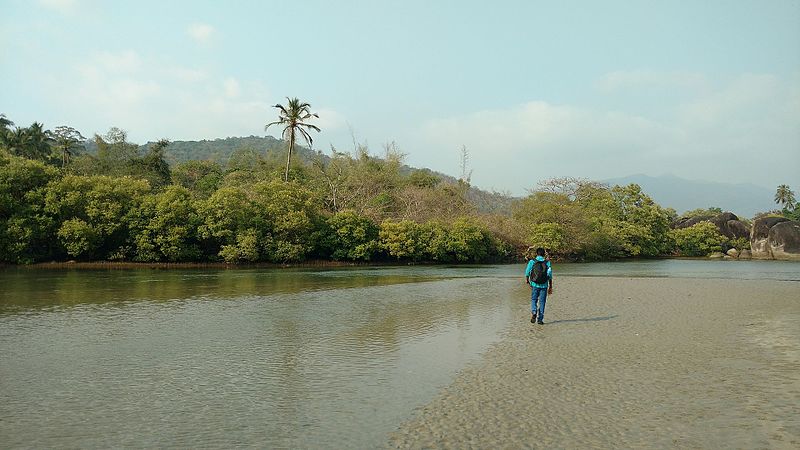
[530, 268]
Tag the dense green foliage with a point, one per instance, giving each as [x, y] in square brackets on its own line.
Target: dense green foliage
[164, 227]
[698, 240]
[94, 213]
[702, 212]
[350, 237]
[121, 201]
[124, 202]
[585, 219]
[26, 230]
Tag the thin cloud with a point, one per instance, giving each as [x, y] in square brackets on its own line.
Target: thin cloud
[745, 96]
[186, 74]
[114, 78]
[718, 134]
[175, 102]
[540, 125]
[231, 87]
[330, 120]
[635, 79]
[122, 62]
[201, 32]
[62, 6]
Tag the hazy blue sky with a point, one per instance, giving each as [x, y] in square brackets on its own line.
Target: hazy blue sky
[598, 89]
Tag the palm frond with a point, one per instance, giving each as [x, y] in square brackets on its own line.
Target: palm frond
[306, 136]
[278, 122]
[313, 127]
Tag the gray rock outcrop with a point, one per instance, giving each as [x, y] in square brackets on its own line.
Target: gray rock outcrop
[784, 241]
[690, 221]
[727, 223]
[737, 229]
[730, 226]
[759, 236]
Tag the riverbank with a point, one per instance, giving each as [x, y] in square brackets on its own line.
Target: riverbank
[621, 363]
[190, 265]
[309, 264]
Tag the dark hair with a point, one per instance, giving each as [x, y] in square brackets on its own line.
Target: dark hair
[540, 251]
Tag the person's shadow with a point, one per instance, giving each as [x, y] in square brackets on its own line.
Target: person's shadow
[592, 319]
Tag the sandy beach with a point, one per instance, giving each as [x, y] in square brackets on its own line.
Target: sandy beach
[631, 363]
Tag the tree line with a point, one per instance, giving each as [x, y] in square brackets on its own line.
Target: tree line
[124, 203]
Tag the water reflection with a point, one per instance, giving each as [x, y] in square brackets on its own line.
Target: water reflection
[231, 358]
[31, 288]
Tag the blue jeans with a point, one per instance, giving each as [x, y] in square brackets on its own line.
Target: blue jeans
[538, 295]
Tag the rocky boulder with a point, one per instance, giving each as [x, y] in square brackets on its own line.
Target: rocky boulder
[725, 216]
[759, 237]
[728, 224]
[746, 254]
[736, 229]
[784, 240]
[687, 222]
[733, 253]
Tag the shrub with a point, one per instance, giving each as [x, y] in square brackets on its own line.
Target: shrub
[164, 227]
[95, 213]
[351, 237]
[402, 240]
[26, 231]
[697, 240]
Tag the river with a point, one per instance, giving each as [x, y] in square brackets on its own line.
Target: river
[278, 358]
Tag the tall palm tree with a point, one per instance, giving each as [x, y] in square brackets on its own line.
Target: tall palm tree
[5, 130]
[293, 117]
[32, 142]
[784, 196]
[37, 142]
[5, 122]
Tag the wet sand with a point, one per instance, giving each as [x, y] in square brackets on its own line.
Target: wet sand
[631, 363]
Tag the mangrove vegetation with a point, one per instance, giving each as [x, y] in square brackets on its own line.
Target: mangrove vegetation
[63, 197]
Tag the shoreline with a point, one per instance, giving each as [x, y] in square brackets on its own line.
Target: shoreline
[189, 265]
[316, 263]
[631, 362]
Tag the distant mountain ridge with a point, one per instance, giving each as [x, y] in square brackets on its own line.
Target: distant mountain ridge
[743, 199]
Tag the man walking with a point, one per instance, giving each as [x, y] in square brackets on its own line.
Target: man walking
[539, 275]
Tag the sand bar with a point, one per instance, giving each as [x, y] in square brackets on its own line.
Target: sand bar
[631, 363]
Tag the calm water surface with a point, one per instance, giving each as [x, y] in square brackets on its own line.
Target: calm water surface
[286, 358]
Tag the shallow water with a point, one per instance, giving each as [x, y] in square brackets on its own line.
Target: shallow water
[280, 358]
[248, 357]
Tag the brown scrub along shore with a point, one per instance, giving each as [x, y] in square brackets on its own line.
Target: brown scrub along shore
[631, 363]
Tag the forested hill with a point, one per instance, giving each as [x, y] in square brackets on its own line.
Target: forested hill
[220, 150]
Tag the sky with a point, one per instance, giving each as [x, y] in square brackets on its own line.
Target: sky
[532, 89]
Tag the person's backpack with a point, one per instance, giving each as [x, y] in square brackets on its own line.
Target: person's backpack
[539, 272]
